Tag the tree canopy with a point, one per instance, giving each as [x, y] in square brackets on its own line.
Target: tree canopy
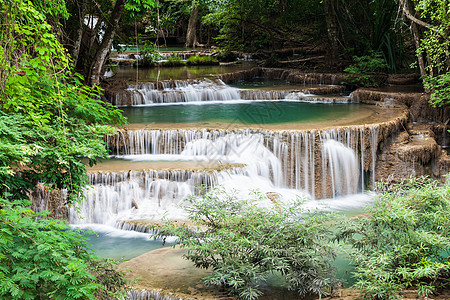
[49, 120]
[51, 124]
[243, 242]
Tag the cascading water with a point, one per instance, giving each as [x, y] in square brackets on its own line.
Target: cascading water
[176, 91]
[139, 194]
[181, 91]
[342, 165]
[144, 195]
[286, 163]
[297, 151]
[374, 133]
[236, 148]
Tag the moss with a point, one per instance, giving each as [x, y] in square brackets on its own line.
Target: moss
[197, 60]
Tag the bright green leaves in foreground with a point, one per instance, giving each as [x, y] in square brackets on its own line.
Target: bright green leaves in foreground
[243, 243]
[50, 123]
[404, 242]
[58, 123]
[42, 258]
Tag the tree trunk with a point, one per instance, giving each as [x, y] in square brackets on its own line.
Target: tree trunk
[191, 35]
[78, 34]
[332, 31]
[105, 46]
[420, 60]
[415, 22]
[74, 28]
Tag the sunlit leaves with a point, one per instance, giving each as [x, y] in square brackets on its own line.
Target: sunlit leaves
[139, 7]
[57, 121]
[243, 243]
[434, 44]
[404, 242]
[41, 258]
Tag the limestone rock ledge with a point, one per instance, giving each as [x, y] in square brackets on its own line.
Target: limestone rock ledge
[413, 152]
[416, 102]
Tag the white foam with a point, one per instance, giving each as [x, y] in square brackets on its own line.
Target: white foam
[162, 157]
[138, 196]
[342, 203]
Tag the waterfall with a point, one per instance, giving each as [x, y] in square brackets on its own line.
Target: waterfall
[178, 91]
[374, 133]
[146, 194]
[323, 163]
[296, 158]
[361, 132]
[343, 167]
[243, 149]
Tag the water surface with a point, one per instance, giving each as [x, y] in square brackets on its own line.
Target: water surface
[176, 73]
[242, 112]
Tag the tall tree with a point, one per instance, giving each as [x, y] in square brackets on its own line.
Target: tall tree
[108, 15]
[99, 59]
[430, 25]
[49, 125]
[260, 24]
[332, 30]
[49, 121]
[191, 34]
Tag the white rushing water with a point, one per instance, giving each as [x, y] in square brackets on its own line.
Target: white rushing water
[270, 165]
[282, 165]
[342, 166]
[206, 90]
[297, 151]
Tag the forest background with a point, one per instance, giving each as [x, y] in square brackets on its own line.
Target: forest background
[53, 118]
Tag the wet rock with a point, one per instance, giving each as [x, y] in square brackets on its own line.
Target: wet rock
[412, 154]
[417, 103]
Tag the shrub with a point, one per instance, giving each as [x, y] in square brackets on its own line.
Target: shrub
[404, 241]
[202, 60]
[243, 243]
[440, 89]
[148, 53]
[173, 61]
[41, 258]
[364, 70]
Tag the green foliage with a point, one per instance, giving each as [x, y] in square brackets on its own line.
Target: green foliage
[251, 25]
[173, 61]
[148, 53]
[371, 26]
[202, 60]
[49, 124]
[223, 54]
[374, 63]
[41, 258]
[58, 121]
[174, 58]
[384, 35]
[111, 280]
[243, 243]
[364, 69]
[404, 241]
[434, 44]
[440, 89]
[139, 7]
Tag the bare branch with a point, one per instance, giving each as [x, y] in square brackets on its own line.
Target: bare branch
[411, 17]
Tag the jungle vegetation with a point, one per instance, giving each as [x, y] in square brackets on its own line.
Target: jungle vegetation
[52, 119]
[401, 241]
